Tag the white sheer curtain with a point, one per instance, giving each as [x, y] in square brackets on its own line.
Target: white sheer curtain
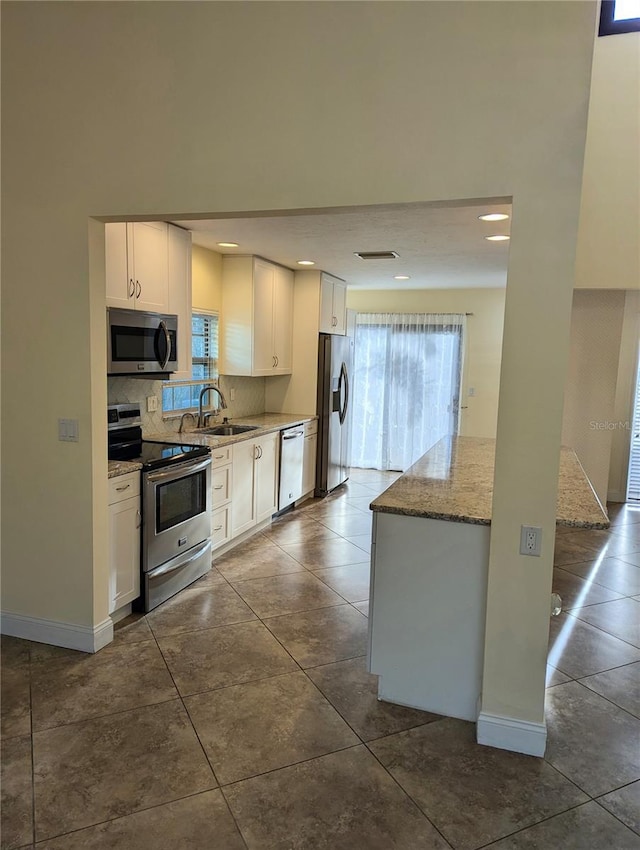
[406, 386]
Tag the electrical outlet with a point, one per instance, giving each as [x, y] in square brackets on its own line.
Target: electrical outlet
[152, 403]
[530, 540]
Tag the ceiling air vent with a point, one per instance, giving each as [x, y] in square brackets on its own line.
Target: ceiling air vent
[376, 255]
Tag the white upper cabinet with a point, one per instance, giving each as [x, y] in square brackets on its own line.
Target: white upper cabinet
[137, 265]
[179, 253]
[333, 305]
[256, 317]
[283, 319]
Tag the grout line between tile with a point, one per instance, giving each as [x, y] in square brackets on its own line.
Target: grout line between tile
[406, 793]
[531, 825]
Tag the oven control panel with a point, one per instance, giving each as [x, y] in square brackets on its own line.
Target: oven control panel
[123, 415]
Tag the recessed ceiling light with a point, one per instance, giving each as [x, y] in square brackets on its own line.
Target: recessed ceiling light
[306, 262]
[493, 217]
[497, 238]
[228, 244]
[402, 277]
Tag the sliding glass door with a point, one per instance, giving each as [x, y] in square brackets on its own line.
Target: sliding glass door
[406, 386]
[633, 484]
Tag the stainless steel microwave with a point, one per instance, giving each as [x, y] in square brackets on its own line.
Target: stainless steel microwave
[140, 343]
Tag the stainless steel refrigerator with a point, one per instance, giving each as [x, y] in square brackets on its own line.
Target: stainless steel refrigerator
[335, 365]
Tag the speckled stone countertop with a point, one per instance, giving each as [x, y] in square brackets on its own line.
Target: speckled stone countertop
[454, 481]
[265, 422]
[121, 467]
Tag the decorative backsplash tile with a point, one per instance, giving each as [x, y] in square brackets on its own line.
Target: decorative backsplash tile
[249, 399]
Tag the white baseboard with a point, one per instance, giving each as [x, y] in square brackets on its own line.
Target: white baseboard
[121, 613]
[507, 733]
[616, 496]
[68, 635]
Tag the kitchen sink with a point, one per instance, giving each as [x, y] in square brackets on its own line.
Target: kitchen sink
[227, 430]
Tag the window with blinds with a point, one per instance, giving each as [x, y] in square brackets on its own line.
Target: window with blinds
[633, 486]
[181, 396]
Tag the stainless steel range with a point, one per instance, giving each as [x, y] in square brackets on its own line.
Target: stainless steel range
[176, 509]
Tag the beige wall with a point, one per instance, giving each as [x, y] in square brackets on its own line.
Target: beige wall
[596, 326]
[98, 136]
[483, 344]
[206, 276]
[608, 253]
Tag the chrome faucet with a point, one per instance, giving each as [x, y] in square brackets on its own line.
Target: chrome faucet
[183, 417]
[203, 392]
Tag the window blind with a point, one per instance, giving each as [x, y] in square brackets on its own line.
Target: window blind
[633, 487]
[204, 345]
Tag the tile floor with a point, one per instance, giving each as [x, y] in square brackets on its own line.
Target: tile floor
[240, 715]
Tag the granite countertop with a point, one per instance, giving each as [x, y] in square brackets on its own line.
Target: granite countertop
[454, 481]
[265, 422]
[122, 467]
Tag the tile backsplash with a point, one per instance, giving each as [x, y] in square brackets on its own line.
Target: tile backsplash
[248, 401]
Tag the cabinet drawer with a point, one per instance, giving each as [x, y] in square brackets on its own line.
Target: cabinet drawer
[220, 527]
[124, 487]
[220, 486]
[220, 455]
[311, 427]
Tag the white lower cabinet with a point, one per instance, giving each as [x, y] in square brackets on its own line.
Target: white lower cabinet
[221, 490]
[265, 482]
[124, 540]
[254, 482]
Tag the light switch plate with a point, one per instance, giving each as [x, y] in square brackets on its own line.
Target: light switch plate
[68, 430]
[152, 403]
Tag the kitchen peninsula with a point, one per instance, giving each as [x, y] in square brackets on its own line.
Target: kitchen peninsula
[429, 572]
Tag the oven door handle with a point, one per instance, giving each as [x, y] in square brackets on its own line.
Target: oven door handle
[178, 470]
[171, 567]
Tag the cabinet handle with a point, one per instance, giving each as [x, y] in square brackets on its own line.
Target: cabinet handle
[139, 519]
[133, 288]
[126, 487]
[218, 487]
[139, 289]
[218, 528]
[277, 361]
[258, 453]
[218, 457]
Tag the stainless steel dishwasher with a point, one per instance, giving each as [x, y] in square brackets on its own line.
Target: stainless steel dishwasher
[291, 458]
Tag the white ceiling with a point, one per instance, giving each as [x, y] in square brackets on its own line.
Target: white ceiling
[440, 246]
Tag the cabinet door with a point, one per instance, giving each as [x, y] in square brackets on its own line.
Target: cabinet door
[309, 464]
[179, 290]
[150, 265]
[243, 514]
[120, 287]
[266, 476]
[263, 286]
[326, 305]
[124, 552]
[283, 320]
[339, 308]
